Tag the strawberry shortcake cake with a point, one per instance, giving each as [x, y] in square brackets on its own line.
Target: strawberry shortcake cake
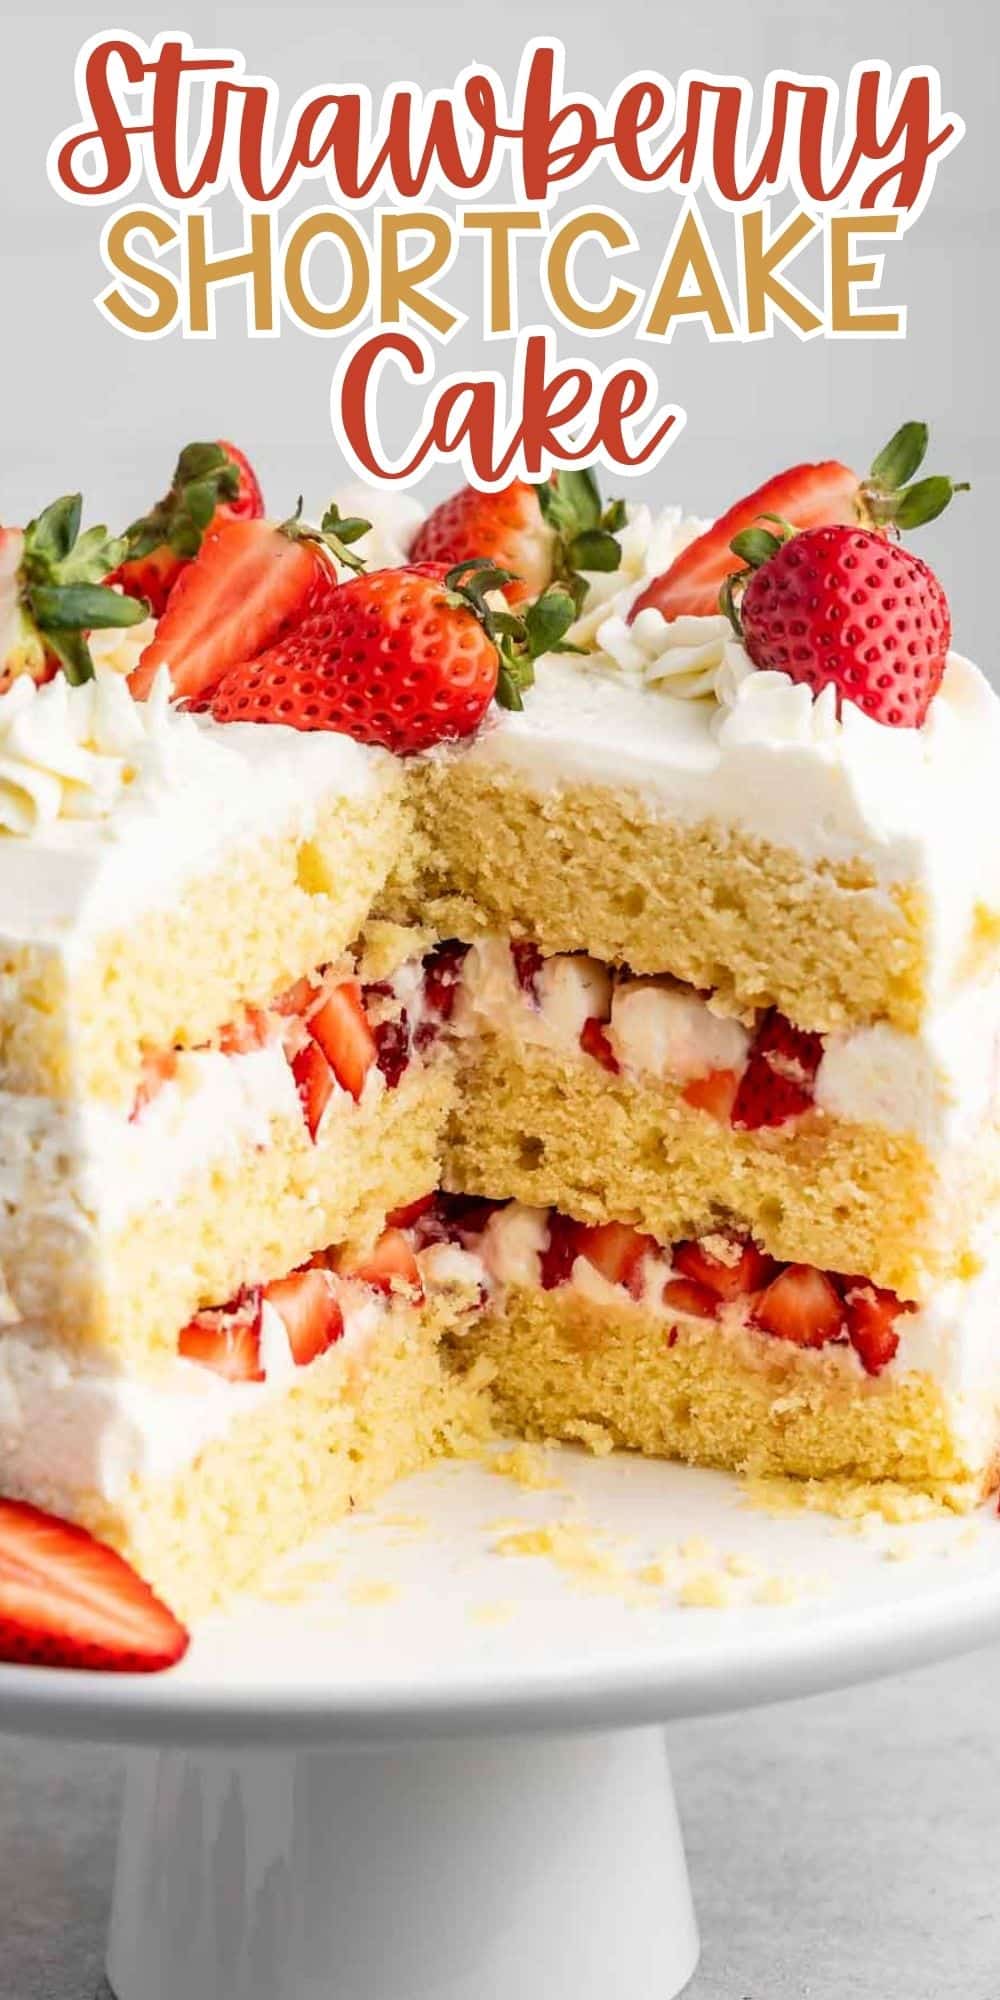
[536, 962]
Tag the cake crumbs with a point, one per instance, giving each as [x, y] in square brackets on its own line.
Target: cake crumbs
[707, 1589]
[597, 1440]
[854, 1502]
[528, 1466]
[499, 1613]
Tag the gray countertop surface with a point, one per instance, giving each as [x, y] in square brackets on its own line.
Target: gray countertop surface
[843, 1848]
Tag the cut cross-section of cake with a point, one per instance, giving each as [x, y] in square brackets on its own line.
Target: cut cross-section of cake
[494, 983]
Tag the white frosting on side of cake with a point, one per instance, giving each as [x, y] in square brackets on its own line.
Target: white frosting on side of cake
[69, 1427]
[86, 846]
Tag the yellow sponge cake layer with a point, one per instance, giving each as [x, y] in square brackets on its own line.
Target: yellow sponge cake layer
[554, 1129]
[566, 1367]
[271, 908]
[246, 1216]
[592, 866]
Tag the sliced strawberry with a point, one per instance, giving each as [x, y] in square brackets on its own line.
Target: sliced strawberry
[212, 483]
[312, 1316]
[314, 1082]
[617, 1251]
[748, 1271]
[443, 976]
[411, 1211]
[226, 1339]
[158, 1066]
[594, 1042]
[777, 1083]
[560, 1252]
[528, 962]
[299, 998]
[801, 1305]
[251, 1030]
[872, 1313]
[682, 1295]
[714, 1093]
[390, 1266]
[249, 585]
[809, 496]
[342, 1029]
[67, 1600]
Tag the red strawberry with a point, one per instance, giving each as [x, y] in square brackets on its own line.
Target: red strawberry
[748, 1271]
[390, 1266]
[250, 583]
[807, 495]
[714, 1093]
[542, 534]
[405, 658]
[560, 1252]
[777, 1083]
[226, 1339]
[684, 1296]
[402, 1218]
[528, 962]
[508, 526]
[848, 609]
[158, 1066]
[392, 1049]
[53, 593]
[314, 1082]
[342, 1030]
[872, 1313]
[212, 483]
[617, 1251]
[299, 998]
[251, 1030]
[312, 1316]
[443, 976]
[67, 1600]
[594, 1042]
[801, 1305]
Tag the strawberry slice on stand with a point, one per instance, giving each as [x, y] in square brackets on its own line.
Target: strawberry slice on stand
[251, 583]
[212, 483]
[405, 658]
[67, 1600]
[544, 534]
[53, 593]
[805, 497]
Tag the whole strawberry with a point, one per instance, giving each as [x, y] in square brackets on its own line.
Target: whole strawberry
[849, 607]
[212, 483]
[404, 658]
[543, 534]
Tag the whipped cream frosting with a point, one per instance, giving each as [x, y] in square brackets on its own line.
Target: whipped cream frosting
[197, 789]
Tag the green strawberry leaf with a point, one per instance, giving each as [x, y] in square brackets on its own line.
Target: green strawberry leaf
[925, 500]
[899, 459]
[74, 607]
[73, 653]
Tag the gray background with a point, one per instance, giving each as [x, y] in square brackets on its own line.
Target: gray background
[844, 1849]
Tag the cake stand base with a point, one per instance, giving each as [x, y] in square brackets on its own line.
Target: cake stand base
[434, 1871]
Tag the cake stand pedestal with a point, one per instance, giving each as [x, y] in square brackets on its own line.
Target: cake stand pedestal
[441, 1871]
[432, 1767]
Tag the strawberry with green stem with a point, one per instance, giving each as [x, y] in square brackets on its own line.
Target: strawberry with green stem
[53, 593]
[544, 535]
[849, 608]
[251, 583]
[405, 658]
[807, 496]
[212, 483]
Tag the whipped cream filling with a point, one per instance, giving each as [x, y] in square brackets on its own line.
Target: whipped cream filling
[942, 1085]
[952, 1338]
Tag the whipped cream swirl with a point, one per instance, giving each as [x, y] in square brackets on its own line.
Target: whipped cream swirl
[79, 753]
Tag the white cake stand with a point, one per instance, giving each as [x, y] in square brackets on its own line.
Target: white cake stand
[431, 1771]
